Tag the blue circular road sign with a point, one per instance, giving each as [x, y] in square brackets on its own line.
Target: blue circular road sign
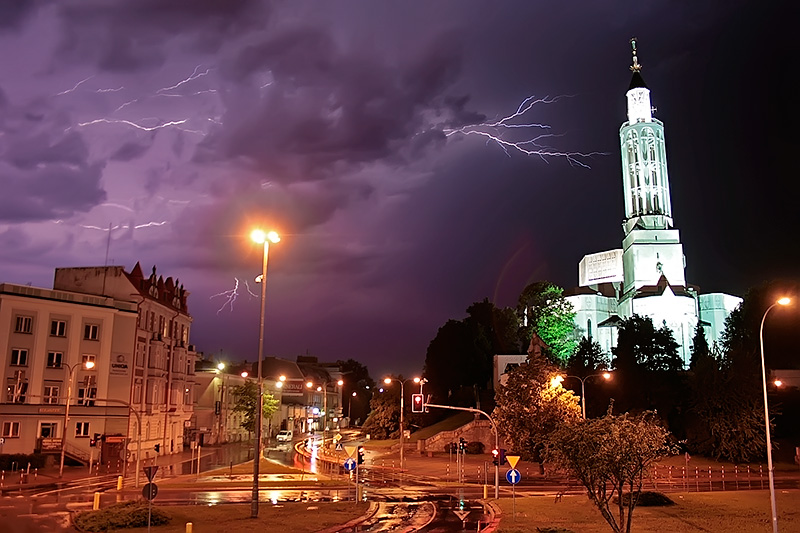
[350, 464]
[513, 476]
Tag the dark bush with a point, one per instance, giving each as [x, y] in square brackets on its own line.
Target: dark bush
[37, 460]
[119, 516]
[475, 447]
[451, 447]
[649, 498]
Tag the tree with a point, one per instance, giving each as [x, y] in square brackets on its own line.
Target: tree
[543, 309]
[384, 419]
[588, 358]
[700, 348]
[609, 456]
[247, 402]
[529, 407]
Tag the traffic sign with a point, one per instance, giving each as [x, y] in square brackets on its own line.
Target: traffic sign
[512, 460]
[339, 447]
[350, 464]
[150, 491]
[150, 472]
[462, 515]
[513, 476]
[350, 450]
[337, 437]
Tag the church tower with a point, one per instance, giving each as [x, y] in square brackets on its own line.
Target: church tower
[651, 247]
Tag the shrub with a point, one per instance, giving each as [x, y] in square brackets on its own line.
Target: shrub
[37, 460]
[120, 516]
[649, 498]
[475, 447]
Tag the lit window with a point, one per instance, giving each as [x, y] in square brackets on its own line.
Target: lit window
[24, 324]
[82, 429]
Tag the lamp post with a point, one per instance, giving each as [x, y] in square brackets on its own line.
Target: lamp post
[388, 381]
[260, 237]
[324, 390]
[88, 365]
[604, 375]
[782, 301]
[350, 405]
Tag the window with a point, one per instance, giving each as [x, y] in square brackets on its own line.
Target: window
[16, 387]
[51, 393]
[58, 328]
[19, 357]
[54, 359]
[87, 358]
[10, 429]
[90, 332]
[48, 430]
[88, 391]
[82, 429]
[24, 324]
[137, 391]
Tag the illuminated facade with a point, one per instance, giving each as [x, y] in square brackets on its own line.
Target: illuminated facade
[647, 275]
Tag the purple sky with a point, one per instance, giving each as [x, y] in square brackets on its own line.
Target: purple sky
[183, 123]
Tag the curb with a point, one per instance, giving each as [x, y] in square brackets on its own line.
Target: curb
[495, 512]
[373, 508]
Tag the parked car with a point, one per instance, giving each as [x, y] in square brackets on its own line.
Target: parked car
[284, 435]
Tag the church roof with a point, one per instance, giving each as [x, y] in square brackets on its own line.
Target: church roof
[637, 82]
[659, 288]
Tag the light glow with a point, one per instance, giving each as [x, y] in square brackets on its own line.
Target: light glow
[88, 365]
[785, 301]
[778, 383]
[260, 236]
[556, 381]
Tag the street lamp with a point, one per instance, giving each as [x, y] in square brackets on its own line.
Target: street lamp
[388, 381]
[782, 301]
[260, 237]
[559, 379]
[350, 405]
[87, 365]
[324, 390]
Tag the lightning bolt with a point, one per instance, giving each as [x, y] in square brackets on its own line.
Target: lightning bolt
[121, 226]
[75, 87]
[194, 76]
[493, 132]
[109, 90]
[230, 296]
[171, 123]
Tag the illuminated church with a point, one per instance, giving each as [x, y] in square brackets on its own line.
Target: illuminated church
[647, 275]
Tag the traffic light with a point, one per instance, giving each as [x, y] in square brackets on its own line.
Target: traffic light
[157, 448]
[502, 456]
[462, 444]
[417, 403]
[495, 457]
[94, 439]
[361, 452]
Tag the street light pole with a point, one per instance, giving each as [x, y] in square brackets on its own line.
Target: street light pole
[782, 301]
[72, 368]
[260, 237]
[402, 405]
[604, 375]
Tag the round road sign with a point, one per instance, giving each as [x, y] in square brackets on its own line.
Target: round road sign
[350, 464]
[513, 476]
[150, 491]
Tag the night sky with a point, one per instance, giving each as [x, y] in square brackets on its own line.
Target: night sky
[353, 129]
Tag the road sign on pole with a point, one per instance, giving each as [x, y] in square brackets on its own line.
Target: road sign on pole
[512, 460]
[350, 450]
[150, 472]
[350, 464]
[513, 476]
[150, 491]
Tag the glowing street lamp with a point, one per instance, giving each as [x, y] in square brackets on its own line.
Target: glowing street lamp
[260, 237]
[87, 365]
[388, 381]
[782, 301]
[559, 379]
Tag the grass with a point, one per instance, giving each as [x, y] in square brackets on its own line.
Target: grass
[282, 518]
[709, 512]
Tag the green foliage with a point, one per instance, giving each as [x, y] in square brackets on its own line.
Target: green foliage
[528, 408]
[384, 419]
[640, 344]
[610, 456]
[247, 402]
[551, 316]
[700, 348]
[120, 516]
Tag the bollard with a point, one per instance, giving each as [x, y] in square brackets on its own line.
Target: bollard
[119, 482]
[188, 527]
[485, 492]
[35, 473]
[96, 504]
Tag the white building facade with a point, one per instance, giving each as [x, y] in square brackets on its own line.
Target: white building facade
[647, 275]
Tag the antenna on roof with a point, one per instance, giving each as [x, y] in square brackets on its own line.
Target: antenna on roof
[636, 67]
